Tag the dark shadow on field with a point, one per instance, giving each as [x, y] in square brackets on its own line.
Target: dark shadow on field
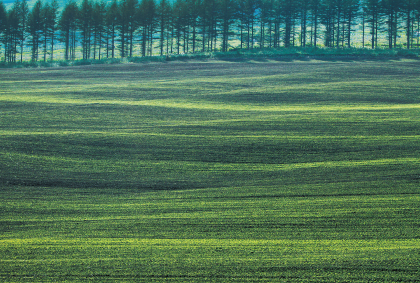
[115, 186]
[326, 58]
[304, 176]
[262, 271]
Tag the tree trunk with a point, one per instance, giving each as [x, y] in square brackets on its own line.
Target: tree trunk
[408, 28]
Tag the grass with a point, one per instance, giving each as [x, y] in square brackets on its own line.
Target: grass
[237, 54]
[211, 171]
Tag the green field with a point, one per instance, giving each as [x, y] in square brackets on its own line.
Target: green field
[211, 171]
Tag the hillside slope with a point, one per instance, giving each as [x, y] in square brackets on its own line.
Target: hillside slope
[217, 171]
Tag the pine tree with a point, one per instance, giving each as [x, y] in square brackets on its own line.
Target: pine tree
[315, 7]
[127, 24]
[289, 11]
[179, 23]
[23, 15]
[329, 21]
[163, 14]
[408, 7]
[266, 18]
[98, 24]
[350, 10]
[35, 29]
[67, 25]
[112, 17]
[417, 25]
[13, 33]
[211, 14]
[85, 26]
[391, 9]
[278, 20]
[373, 8]
[3, 24]
[53, 25]
[49, 21]
[338, 7]
[228, 11]
[206, 14]
[147, 17]
[193, 11]
[304, 13]
[251, 7]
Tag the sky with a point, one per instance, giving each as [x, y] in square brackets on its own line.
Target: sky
[61, 3]
[9, 3]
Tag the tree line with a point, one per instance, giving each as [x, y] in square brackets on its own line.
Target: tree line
[127, 28]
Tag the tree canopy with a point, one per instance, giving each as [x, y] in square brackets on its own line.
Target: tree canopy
[126, 28]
